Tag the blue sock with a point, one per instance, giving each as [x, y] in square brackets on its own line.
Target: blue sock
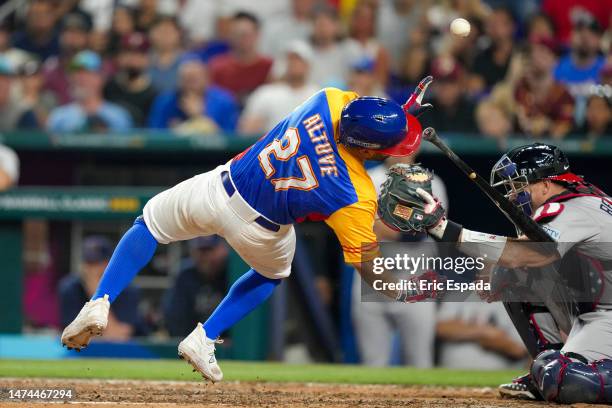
[248, 292]
[133, 252]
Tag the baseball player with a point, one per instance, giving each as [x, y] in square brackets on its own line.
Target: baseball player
[578, 216]
[309, 167]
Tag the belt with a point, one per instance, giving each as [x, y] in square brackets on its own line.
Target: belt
[230, 190]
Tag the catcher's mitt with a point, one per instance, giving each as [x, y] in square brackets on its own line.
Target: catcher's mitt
[399, 204]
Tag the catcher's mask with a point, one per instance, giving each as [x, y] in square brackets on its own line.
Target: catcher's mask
[528, 164]
[505, 175]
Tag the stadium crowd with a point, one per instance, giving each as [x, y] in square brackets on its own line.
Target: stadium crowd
[528, 67]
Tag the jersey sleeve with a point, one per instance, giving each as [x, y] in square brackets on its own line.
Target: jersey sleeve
[354, 227]
[568, 226]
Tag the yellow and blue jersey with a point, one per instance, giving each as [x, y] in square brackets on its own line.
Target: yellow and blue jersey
[297, 171]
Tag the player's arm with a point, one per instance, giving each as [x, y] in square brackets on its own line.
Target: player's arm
[407, 204]
[503, 251]
[486, 335]
[365, 270]
[353, 226]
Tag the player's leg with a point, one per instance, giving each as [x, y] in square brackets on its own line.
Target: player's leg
[248, 292]
[134, 251]
[167, 217]
[582, 370]
[539, 333]
[269, 253]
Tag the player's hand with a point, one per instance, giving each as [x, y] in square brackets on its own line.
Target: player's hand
[425, 286]
[414, 105]
[432, 208]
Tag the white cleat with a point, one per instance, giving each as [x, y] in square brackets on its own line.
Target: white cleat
[91, 321]
[199, 351]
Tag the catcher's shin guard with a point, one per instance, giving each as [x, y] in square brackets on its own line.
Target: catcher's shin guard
[568, 378]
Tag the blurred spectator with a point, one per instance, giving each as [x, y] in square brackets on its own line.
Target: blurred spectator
[414, 66]
[598, 118]
[101, 12]
[39, 100]
[476, 335]
[264, 10]
[73, 38]
[199, 287]
[196, 107]
[580, 68]
[40, 276]
[124, 320]
[89, 111]
[122, 24]
[453, 111]
[563, 11]
[147, 14]
[217, 44]
[523, 10]
[493, 121]
[198, 19]
[14, 110]
[333, 55]
[362, 30]
[165, 37]
[270, 103]
[606, 39]
[13, 55]
[40, 36]
[544, 106]
[396, 20]
[491, 65]
[296, 26]
[363, 80]
[131, 87]
[540, 26]
[9, 168]
[242, 69]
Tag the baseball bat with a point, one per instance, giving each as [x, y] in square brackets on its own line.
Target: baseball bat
[526, 224]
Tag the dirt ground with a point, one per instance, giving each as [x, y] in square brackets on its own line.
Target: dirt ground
[154, 394]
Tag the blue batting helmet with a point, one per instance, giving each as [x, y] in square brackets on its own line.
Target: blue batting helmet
[379, 124]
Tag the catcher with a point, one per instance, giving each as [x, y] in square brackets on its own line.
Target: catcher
[578, 216]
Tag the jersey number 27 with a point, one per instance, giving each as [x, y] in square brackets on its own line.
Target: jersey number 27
[284, 149]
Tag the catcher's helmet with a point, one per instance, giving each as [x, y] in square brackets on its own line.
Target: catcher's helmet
[379, 124]
[539, 161]
[528, 164]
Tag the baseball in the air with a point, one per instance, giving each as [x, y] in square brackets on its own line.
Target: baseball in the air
[460, 27]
